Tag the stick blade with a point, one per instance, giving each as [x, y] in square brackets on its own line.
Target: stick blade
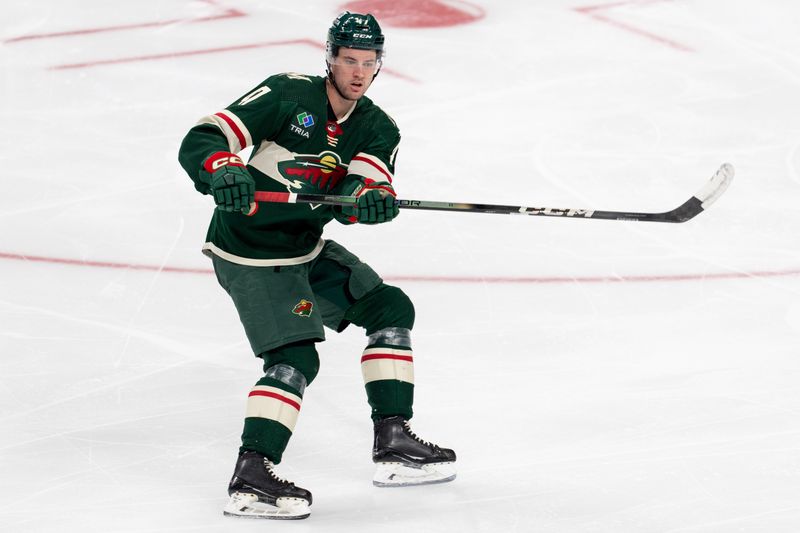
[716, 186]
[703, 198]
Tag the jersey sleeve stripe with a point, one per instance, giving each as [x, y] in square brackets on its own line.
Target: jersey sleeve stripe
[232, 127]
[236, 127]
[367, 165]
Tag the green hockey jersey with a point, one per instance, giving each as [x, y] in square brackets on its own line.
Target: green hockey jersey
[299, 146]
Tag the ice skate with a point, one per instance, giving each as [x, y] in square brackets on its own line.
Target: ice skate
[403, 459]
[256, 492]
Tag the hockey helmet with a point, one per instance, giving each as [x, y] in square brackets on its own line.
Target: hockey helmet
[354, 30]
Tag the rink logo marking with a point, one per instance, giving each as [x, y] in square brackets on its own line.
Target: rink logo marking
[416, 14]
[594, 12]
[645, 278]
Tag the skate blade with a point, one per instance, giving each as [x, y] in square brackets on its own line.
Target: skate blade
[404, 475]
[243, 505]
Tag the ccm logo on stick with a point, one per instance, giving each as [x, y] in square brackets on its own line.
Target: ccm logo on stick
[556, 212]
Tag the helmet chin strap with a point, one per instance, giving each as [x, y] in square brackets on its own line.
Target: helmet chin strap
[333, 82]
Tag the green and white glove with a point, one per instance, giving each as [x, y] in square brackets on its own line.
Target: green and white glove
[376, 203]
[232, 186]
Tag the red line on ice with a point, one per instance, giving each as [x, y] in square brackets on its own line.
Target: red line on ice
[435, 279]
[102, 264]
[204, 51]
[592, 12]
[226, 14]
[170, 55]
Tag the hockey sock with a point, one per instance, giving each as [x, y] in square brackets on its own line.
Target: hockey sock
[273, 404]
[387, 363]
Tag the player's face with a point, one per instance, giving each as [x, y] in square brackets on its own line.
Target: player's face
[353, 71]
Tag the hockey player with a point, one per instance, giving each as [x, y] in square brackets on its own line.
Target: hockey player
[317, 135]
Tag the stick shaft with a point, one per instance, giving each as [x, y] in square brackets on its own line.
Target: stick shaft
[689, 209]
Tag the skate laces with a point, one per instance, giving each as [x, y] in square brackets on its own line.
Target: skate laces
[416, 438]
[269, 467]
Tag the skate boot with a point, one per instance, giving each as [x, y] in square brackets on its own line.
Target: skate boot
[404, 459]
[256, 492]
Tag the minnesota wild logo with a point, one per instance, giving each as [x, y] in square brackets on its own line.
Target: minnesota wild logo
[321, 173]
[303, 308]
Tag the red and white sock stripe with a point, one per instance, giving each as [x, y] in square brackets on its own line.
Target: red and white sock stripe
[275, 404]
[387, 363]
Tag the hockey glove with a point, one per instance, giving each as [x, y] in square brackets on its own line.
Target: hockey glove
[376, 203]
[232, 187]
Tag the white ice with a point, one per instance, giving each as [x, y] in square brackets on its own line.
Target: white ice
[593, 376]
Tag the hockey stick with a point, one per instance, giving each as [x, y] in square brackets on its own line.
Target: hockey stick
[686, 211]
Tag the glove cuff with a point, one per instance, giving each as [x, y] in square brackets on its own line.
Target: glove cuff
[217, 160]
[387, 189]
[360, 186]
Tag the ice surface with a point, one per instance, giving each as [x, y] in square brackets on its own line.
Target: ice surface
[593, 376]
